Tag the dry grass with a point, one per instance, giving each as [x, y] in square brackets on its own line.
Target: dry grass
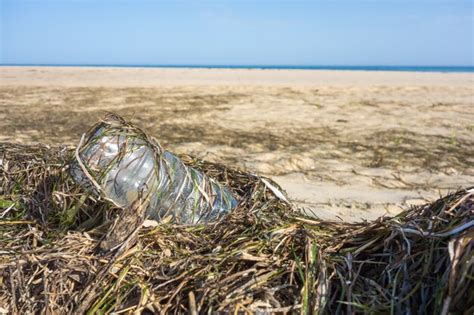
[262, 257]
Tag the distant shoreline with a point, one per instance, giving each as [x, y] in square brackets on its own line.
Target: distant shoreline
[87, 76]
[442, 69]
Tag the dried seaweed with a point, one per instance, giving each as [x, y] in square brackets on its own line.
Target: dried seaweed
[264, 256]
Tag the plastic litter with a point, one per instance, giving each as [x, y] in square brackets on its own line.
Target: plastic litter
[119, 162]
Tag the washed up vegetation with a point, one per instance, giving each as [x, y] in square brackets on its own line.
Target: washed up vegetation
[262, 257]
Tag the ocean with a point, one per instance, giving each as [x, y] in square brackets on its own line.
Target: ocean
[321, 67]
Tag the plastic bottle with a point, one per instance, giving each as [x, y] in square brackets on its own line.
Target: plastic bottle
[121, 163]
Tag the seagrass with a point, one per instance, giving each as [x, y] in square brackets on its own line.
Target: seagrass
[263, 256]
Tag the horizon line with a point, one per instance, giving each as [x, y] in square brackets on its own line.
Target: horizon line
[389, 68]
[229, 65]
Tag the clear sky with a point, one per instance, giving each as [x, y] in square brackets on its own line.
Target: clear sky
[337, 32]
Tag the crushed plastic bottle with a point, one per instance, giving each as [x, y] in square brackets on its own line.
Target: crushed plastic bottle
[119, 161]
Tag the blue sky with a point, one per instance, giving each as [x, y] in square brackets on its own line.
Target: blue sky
[351, 32]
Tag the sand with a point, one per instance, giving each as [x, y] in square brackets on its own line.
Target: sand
[345, 145]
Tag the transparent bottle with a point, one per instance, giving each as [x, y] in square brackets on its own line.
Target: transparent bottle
[120, 162]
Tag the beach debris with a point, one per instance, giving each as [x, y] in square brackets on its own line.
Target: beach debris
[263, 257]
[275, 190]
[121, 163]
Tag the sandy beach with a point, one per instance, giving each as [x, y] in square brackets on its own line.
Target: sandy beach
[347, 145]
